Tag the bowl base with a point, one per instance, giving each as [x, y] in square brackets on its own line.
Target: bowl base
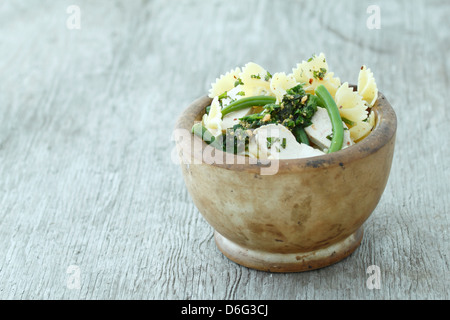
[288, 262]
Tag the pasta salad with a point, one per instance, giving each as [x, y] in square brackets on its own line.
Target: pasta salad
[306, 113]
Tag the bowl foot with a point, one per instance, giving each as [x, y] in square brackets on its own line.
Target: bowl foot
[288, 262]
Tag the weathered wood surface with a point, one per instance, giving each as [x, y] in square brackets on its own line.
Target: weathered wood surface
[86, 116]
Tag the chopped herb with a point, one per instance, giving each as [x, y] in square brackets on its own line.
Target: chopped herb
[268, 76]
[283, 144]
[288, 123]
[255, 76]
[330, 137]
[238, 82]
[349, 122]
[320, 74]
[271, 140]
[241, 93]
[291, 112]
[235, 139]
[223, 95]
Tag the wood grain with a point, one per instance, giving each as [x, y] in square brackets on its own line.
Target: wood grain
[86, 117]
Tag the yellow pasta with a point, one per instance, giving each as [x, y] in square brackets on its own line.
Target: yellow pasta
[255, 80]
[350, 104]
[213, 120]
[315, 72]
[281, 82]
[224, 83]
[360, 130]
[363, 128]
[367, 86]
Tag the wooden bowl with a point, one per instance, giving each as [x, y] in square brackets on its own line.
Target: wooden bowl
[288, 215]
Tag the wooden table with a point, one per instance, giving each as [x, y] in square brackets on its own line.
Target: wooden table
[92, 205]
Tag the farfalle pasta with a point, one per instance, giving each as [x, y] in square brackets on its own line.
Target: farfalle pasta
[315, 72]
[213, 119]
[367, 86]
[306, 113]
[350, 103]
[255, 80]
[280, 83]
[224, 83]
[360, 130]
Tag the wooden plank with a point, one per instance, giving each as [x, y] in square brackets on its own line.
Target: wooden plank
[86, 177]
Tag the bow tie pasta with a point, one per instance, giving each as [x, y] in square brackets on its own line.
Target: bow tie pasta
[255, 80]
[225, 83]
[362, 128]
[367, 87]
[280, 83]
[213, 120]
[350, 103]
[315, 72]
[313, 110]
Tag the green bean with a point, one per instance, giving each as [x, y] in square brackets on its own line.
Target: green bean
[247, 102]
[349, 122]
[200, 131]
[300, 135]
[329, 104]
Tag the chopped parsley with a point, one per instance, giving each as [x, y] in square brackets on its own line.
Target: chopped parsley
[319, 74]
[312, 58]
[272, 140]
[223, 95]
[235, 139]
[294, 110]
[238, 82]
[268, 76]
[255, 76]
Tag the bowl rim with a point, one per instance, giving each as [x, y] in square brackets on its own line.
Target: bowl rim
[383, 132]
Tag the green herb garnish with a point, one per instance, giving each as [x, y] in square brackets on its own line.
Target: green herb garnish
[270, 141]
[238, 82]
[223, 95]
[296, 109]
[319, 74]
[349, 122]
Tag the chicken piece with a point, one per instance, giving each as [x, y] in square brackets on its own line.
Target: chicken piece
[320, 131]
[275, 141]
